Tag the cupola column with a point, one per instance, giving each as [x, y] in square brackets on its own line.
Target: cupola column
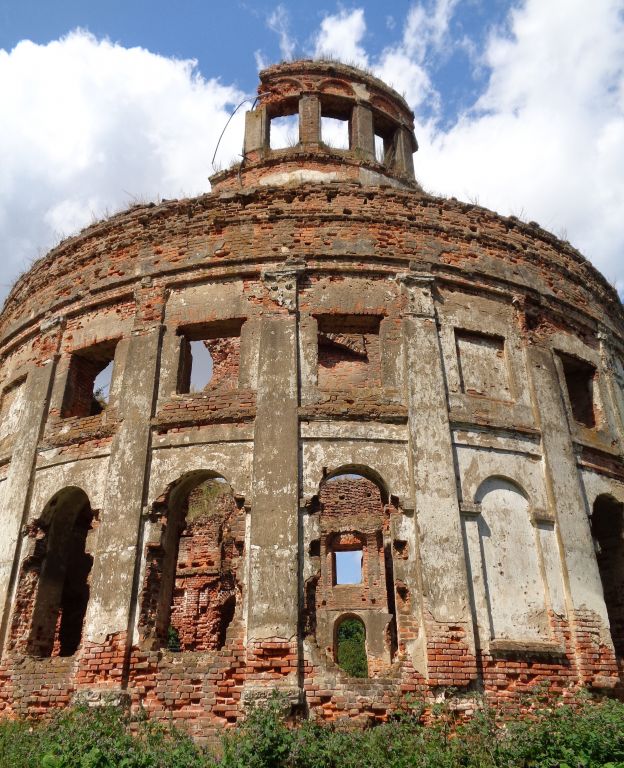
[256, 130]
[309, 119]
[404, 157]
[362, 130]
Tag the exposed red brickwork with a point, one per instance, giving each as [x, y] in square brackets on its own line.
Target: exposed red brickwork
[353, 517]
[191, 594]
[205, 591]
[207, 408]
[53, 587]
[348, 353]
[450, 662]
[399, 224]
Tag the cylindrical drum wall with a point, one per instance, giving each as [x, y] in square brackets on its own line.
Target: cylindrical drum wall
[337, 412]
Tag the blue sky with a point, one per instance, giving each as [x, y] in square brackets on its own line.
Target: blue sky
[519, 105]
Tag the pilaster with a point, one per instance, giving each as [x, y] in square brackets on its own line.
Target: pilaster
[273, 604]
[18, 485]
[587, 609]
[110, 613]
[447, 622]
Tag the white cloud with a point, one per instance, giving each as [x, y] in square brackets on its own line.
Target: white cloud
[401, 65]
[278, 22]
[87, 126]
[340, 36]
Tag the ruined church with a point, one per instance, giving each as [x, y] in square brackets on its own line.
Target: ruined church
[357, 442]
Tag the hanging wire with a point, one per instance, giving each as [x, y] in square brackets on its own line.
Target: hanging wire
[244, 101]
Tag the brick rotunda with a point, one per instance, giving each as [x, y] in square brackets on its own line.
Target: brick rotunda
[411, 424]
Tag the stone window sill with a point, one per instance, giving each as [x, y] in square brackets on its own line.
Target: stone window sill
[529, 648]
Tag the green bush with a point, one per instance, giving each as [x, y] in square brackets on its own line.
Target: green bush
[97, 738]
[584, 733]
[352, 648]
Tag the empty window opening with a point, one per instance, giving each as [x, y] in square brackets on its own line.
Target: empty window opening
[284, 131]
[379, 149]
[351, 647]
[482, 365]
[87, 390]
[209, 357]
[335, 132]
[385, 140]
[191, 586]
[63, 589]
[607, 523]
[348, 352]
[579, 378]
[348, 567]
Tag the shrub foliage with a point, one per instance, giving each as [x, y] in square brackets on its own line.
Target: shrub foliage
[583, 733]
[352, 648]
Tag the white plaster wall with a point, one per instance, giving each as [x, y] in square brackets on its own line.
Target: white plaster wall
[13, 405]
[595, 484]
[232, 460]
[88, 474]
[514, 564]
[388, 458]
[511, 569]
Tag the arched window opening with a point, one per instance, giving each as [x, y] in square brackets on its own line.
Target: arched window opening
[351, 647]
[64, 565]
[607, 524]
[191, 588]
[351, 566]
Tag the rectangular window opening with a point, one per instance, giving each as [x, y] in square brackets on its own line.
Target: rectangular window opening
[348, 567]
[89, 378]
[379, 149]
[209, 357]
[335, 132]
[579, 378]
[348, 351]
[385, 140]
[284, 131]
